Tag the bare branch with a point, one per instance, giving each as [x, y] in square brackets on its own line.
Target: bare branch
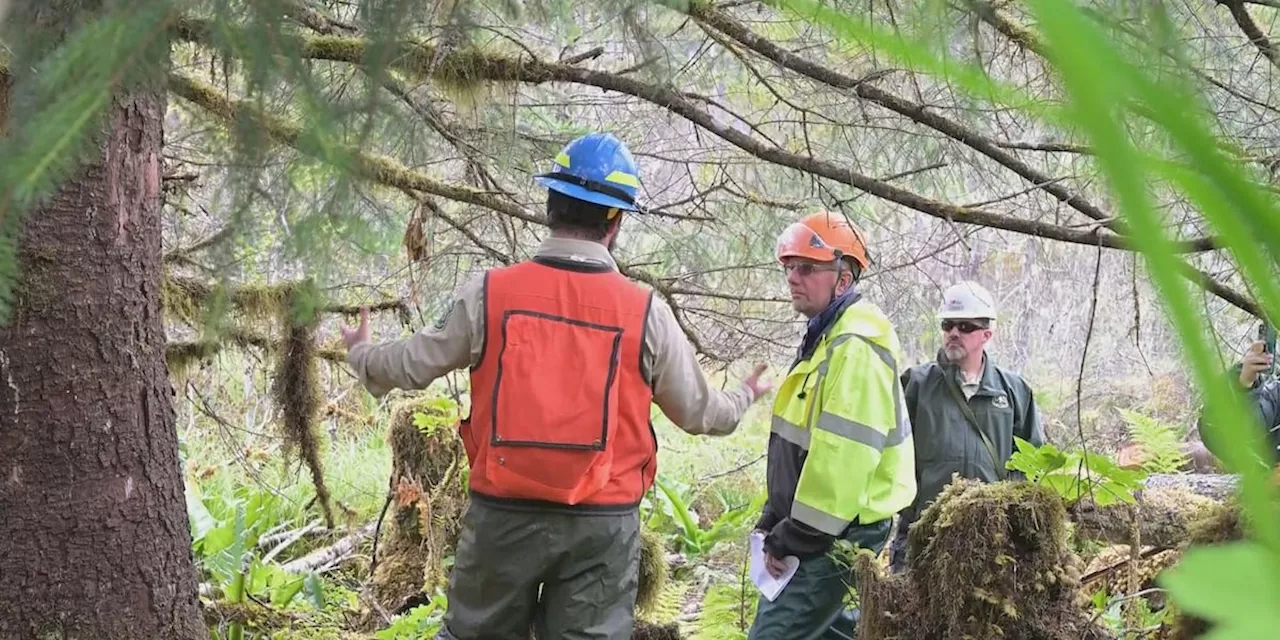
[1050, 147]
[391, 173]
[590, 54]
[314, 19]
[184, 253]
[480, 66]
[1251, 30]
[715, 19]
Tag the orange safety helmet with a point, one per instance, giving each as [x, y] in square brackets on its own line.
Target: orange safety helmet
[819, 236]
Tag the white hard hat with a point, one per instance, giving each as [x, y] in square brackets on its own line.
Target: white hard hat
[967, 300]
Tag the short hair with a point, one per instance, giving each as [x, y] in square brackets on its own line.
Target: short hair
[579, 217]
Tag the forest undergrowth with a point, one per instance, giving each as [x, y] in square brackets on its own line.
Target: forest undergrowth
[272, 568]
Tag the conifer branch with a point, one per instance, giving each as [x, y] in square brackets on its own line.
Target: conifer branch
[377, 168]
[475, 66]
[472, 66]
[392, 174]
[713, 19]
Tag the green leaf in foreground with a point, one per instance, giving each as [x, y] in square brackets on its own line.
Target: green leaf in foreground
[1238, 585]
[1230, 586]
[1079, 50]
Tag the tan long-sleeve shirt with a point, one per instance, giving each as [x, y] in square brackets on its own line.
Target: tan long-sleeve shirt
[679, 386]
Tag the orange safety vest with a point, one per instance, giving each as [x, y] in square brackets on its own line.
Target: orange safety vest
[559, 405]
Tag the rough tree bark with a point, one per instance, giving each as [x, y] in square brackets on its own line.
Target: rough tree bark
[94, 539]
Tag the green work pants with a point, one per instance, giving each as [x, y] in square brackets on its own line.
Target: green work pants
[568, 576]
[811, 605]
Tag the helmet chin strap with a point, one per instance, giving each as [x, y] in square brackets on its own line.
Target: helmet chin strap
[839, 271]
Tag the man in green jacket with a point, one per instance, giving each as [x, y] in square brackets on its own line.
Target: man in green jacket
[964, 410]
[840, 453]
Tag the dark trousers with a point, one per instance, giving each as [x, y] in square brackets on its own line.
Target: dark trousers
[898, 547]
[567, 576]
[812, 605]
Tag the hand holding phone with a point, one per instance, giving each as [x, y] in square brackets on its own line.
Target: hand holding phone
[1260, 358]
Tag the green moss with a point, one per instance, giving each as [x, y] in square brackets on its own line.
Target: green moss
[649, 631]
[181, 356]
[428, 485]
[985, 560]
[1217, 527]
[296, 384]
[653, 571]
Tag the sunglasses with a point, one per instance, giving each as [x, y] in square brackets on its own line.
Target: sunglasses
[806, 269]
[964, 326]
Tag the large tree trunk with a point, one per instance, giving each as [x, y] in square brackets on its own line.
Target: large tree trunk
[94, 539]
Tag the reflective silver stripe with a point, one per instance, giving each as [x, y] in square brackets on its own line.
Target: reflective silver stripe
[883, 353]
[831, 350]
[793, 433]
[818, 519]
[902, 431]
[851, 430]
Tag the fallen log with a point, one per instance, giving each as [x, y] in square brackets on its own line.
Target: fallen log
[279, 541]
[331, 555]
[1218, 486]
[1163, 516]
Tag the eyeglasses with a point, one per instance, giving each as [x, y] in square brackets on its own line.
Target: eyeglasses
[964, 326]
[806, 269]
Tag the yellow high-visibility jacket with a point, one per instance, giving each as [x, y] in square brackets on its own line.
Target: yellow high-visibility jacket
[840, 450]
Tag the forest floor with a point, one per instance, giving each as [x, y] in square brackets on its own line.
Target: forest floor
[247, 496]
[708, 496]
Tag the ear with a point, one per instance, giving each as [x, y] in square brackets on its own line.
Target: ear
[845, 281]
[615, 224]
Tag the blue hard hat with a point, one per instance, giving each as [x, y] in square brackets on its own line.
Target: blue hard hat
[596, 168]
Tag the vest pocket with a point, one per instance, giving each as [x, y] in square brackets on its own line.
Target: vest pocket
[554, 405]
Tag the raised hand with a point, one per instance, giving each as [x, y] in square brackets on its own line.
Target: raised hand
[1255, 362]
[758, 387]
[352, 337]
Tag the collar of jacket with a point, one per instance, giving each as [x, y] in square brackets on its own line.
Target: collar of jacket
[819, 324]
[586, 251]
[988, 383]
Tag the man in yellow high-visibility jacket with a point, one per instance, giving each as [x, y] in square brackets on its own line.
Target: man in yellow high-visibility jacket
[841, 461]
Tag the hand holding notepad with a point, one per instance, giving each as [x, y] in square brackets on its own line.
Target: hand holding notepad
[769, 586]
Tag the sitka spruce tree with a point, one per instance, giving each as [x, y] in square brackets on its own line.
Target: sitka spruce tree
[94, 533]
[94, 541]
[328, 119]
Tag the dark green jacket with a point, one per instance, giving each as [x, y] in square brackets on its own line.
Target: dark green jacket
[1264, 398]
[945, 441]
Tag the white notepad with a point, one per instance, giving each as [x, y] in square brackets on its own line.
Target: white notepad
[769, 586]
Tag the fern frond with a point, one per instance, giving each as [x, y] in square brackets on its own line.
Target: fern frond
[727, 612]
[1161, 443]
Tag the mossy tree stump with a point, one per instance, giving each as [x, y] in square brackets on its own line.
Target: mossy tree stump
[985, 561]
[428, 497]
